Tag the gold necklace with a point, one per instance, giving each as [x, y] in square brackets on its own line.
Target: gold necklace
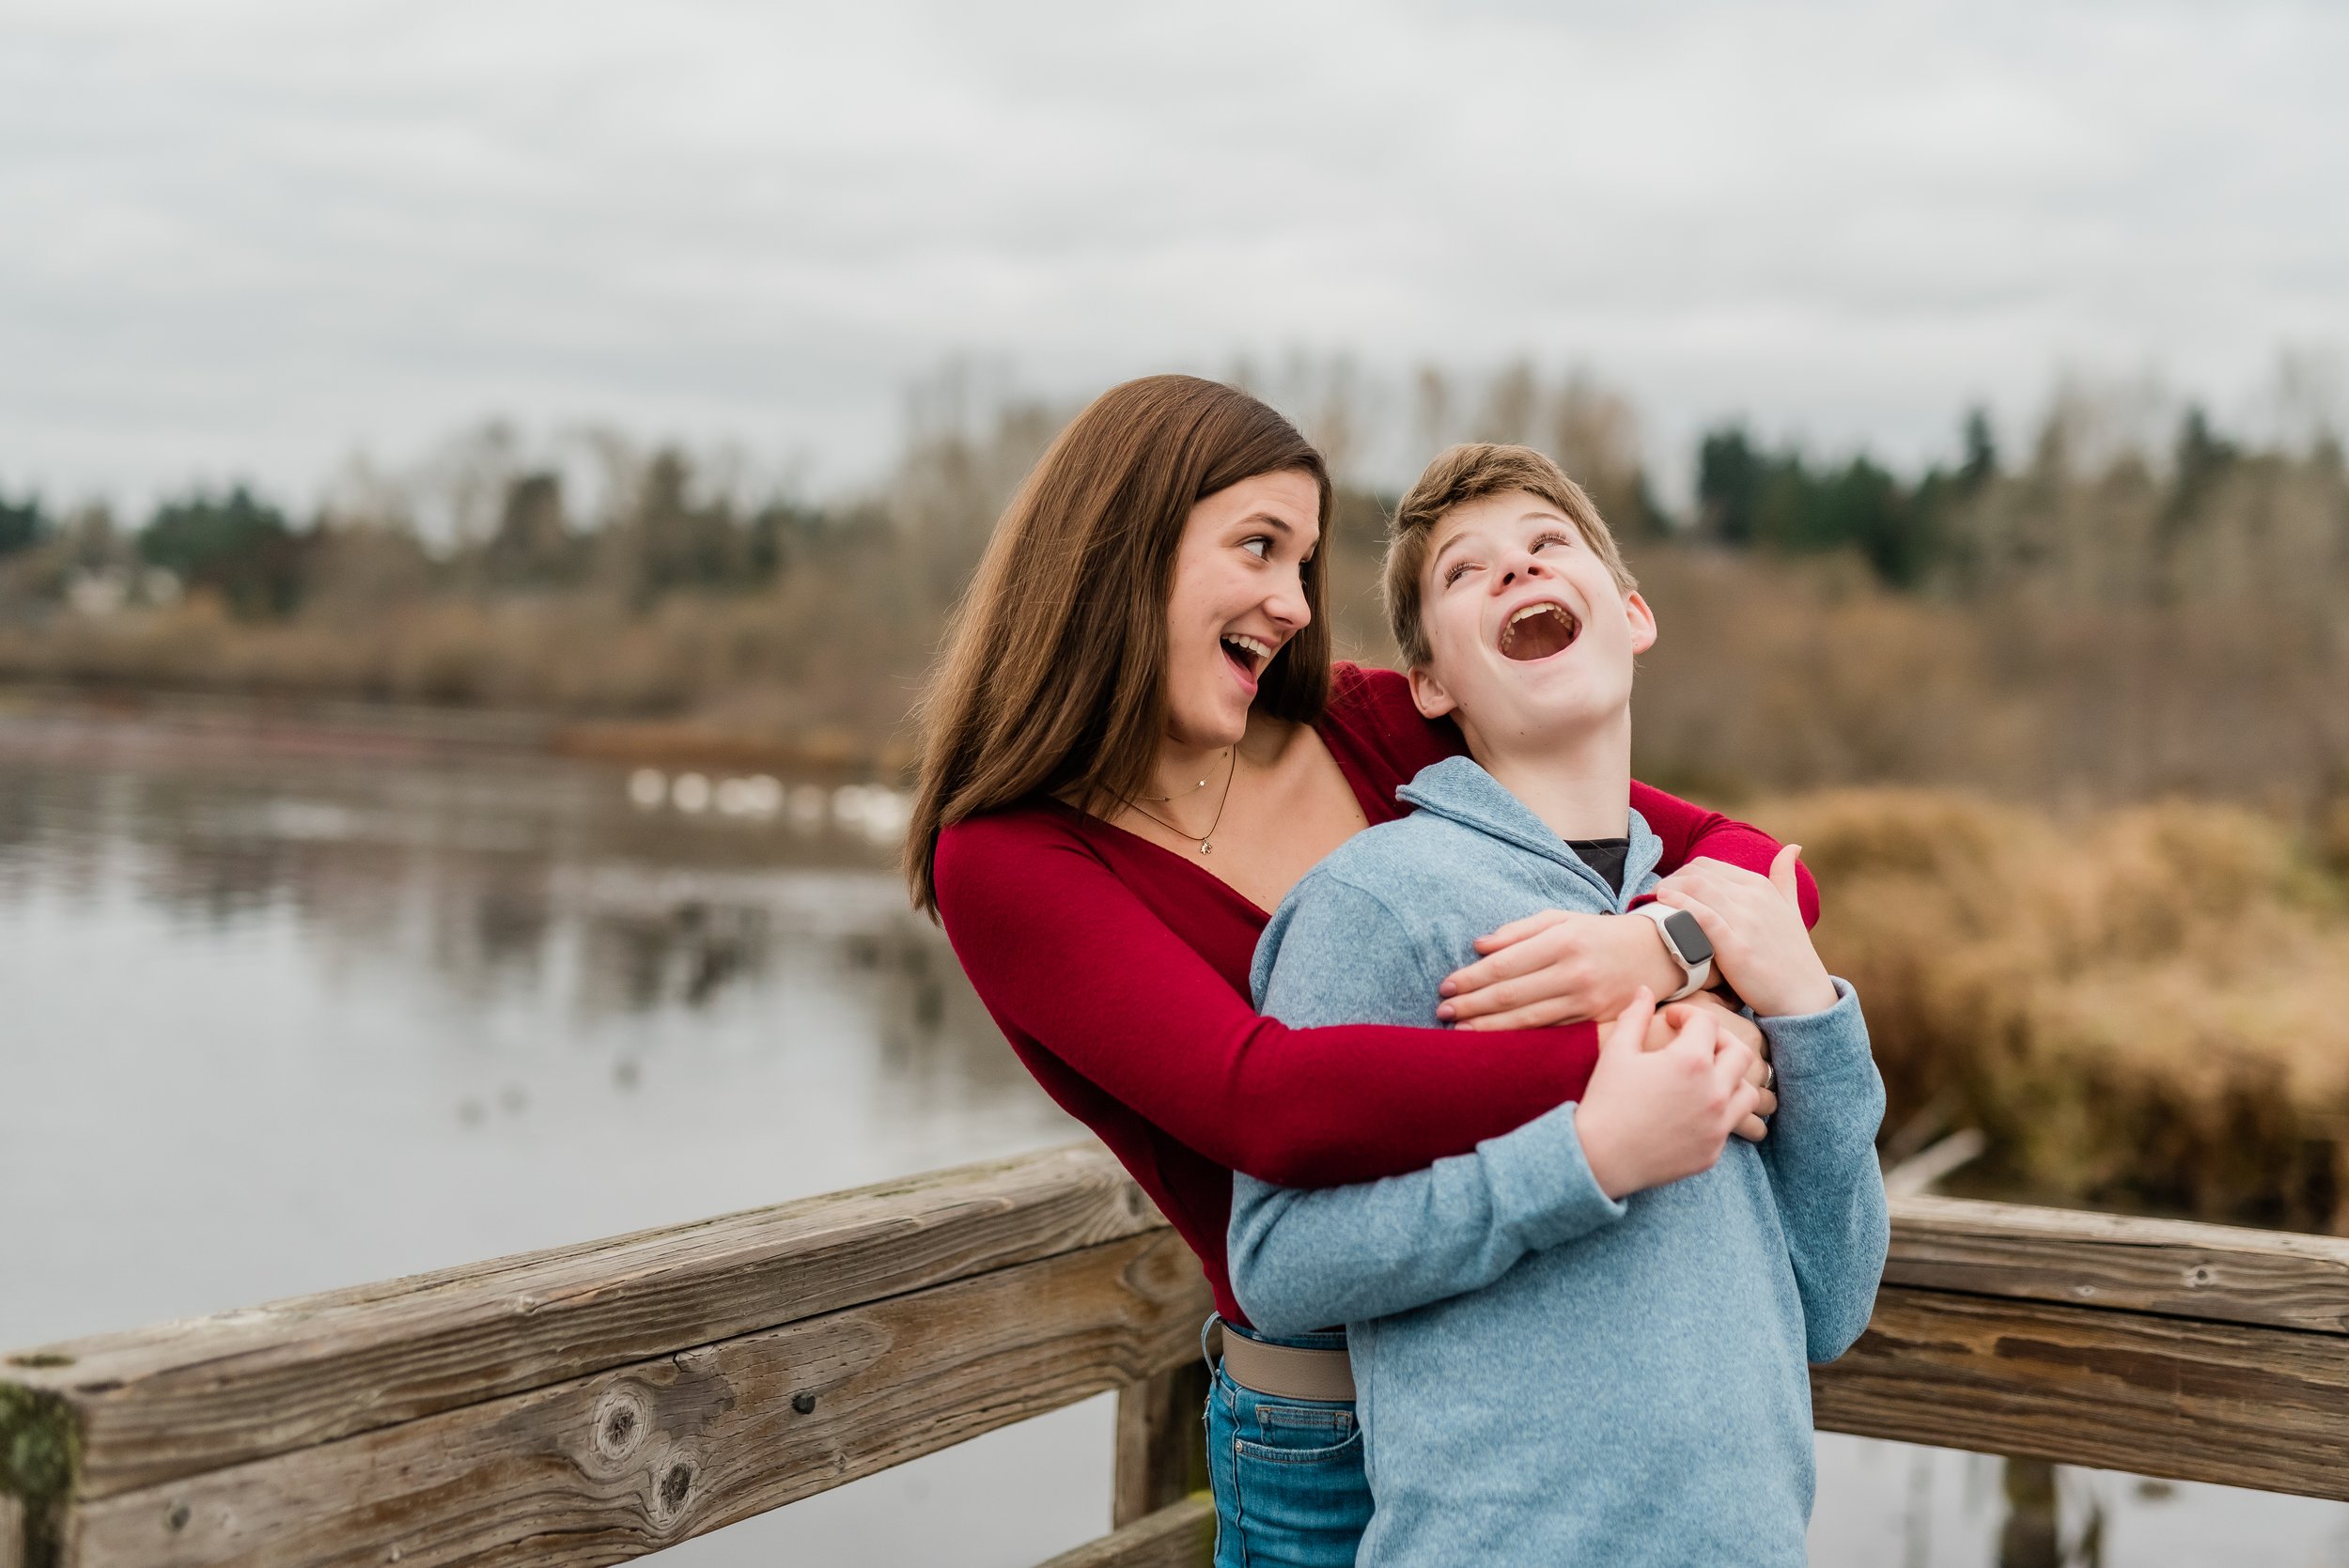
[1178, 794]
[1204, 841]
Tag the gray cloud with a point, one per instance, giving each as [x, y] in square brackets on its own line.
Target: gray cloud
[248, 238]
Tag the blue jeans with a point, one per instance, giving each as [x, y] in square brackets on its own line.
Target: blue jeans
[1287, 1473]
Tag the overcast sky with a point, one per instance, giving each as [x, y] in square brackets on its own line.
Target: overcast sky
[249, 238]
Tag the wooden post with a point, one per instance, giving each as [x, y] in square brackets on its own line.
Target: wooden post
[1161, 1442]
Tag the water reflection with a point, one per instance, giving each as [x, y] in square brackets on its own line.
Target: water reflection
[536, 880]
[304, 972]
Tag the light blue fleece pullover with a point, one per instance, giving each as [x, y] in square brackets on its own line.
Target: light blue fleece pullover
[1547, 1375]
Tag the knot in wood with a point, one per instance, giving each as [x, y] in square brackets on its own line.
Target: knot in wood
[179, 1515]
[803, 1404]
[676, 1484]
[621, 1421]
[2199, 1275]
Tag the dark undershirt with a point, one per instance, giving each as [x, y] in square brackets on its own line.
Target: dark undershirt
[1605, 856]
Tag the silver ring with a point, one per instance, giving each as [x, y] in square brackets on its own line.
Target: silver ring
[1769, 1075]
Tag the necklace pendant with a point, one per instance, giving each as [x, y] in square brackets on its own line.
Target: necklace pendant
[1206, 847]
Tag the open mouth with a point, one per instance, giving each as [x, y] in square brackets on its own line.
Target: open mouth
[1539, 630]
[1248, 655]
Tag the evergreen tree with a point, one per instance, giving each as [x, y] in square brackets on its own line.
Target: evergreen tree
[1728, 485]
[2201, 455]
[23, 524]
[532, 543]
[1982, 451]
[237, 545]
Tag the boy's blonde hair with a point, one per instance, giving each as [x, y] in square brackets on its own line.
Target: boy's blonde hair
[1458, 475]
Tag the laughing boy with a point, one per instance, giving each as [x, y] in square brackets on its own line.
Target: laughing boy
[1562, 1354]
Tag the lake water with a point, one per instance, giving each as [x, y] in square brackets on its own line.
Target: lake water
[286, 1011]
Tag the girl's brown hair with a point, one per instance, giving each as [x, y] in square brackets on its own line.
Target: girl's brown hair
[1055, 676]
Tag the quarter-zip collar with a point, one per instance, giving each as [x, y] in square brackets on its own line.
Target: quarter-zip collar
[1459, 789]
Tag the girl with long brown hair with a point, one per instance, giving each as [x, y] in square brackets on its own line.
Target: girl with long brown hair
[1135, 744]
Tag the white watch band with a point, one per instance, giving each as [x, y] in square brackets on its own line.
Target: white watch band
[1695, 976]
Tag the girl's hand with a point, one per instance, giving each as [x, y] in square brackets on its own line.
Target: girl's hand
[1558, 967]
[1755, 925]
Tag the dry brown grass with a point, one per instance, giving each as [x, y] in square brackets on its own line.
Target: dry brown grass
[2148, 1008]
[1771, 676]
[799, 663]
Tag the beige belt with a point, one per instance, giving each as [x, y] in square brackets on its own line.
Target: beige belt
[1287, 1371]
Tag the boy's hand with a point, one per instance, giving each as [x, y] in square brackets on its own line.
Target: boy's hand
[1651, 1117]
[1755, 925]
[1669, 1020]
[1556, 966]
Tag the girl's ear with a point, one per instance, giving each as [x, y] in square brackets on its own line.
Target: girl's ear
[1428, 692]
[1642, 621]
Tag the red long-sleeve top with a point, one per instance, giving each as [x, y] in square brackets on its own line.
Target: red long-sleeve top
[1118, 970]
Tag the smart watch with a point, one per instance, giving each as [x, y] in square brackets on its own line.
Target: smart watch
[1686, 941]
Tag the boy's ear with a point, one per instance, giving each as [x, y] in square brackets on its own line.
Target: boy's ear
[1432, 701]
[1642, 621]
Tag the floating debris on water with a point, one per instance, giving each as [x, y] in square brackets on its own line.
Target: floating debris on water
[756, 795]
[879, 813]
[873, 812]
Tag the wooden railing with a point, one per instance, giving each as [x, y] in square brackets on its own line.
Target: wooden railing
[594, 1404]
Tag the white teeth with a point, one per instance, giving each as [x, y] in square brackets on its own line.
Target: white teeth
[1535, 610]
[1262, 650]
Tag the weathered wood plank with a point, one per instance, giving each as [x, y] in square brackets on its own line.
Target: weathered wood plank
[1180, 1535]
[1161, 1442]
[2216, 1273]
[2235, 1403]
[590, 1403]
[207, 1393]
[628, 1461]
